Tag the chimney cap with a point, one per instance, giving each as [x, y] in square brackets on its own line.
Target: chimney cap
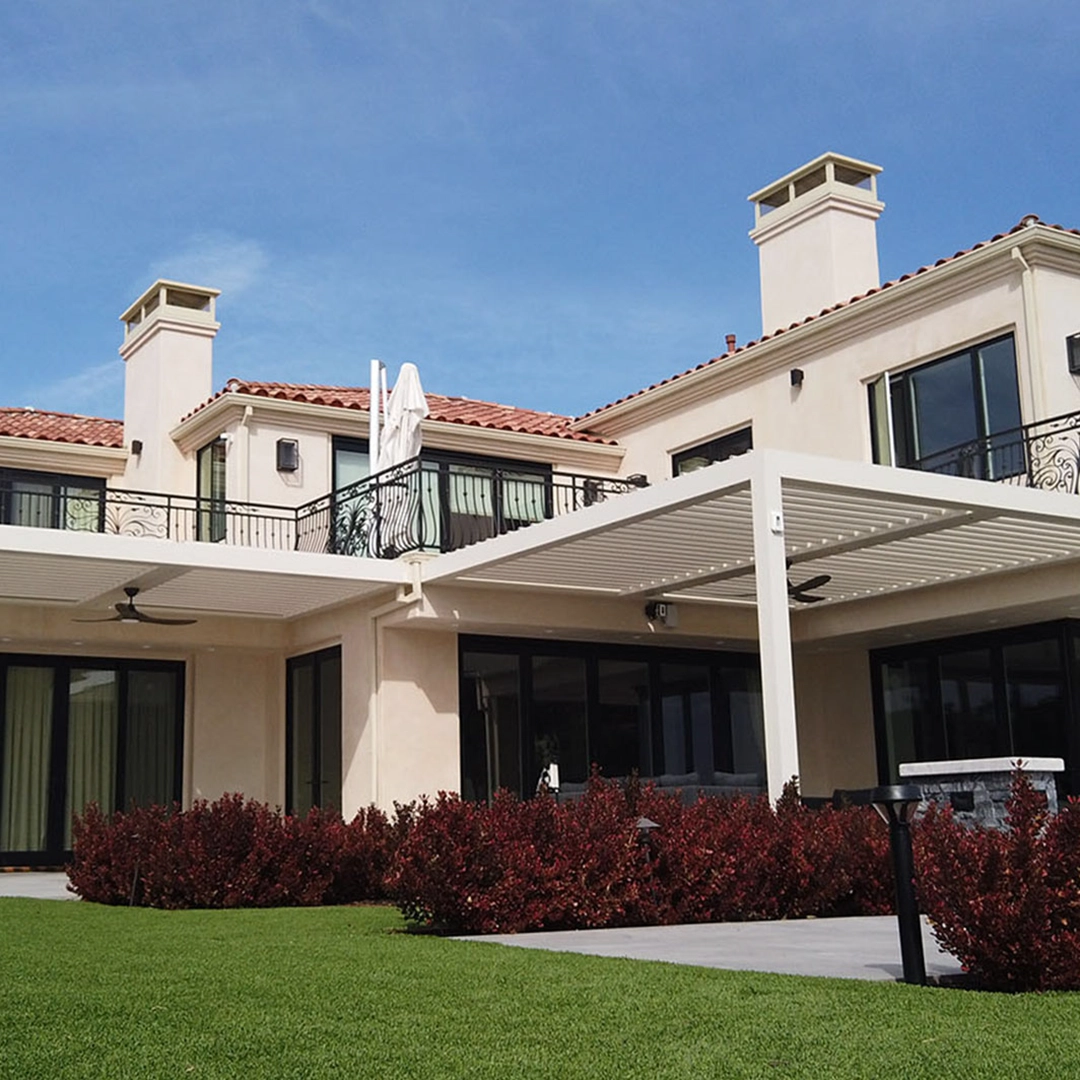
[847, 167]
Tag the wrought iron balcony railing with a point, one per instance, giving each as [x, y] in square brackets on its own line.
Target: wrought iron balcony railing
[1045, 455]
[439, 506]
[417, 506]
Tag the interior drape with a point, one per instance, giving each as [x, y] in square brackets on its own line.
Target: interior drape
[24, 808]
[92, 723]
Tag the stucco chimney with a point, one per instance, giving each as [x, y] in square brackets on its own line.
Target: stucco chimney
[168, 355]
[816, 232]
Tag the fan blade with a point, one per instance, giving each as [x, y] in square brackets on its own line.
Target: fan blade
[111, 618]
[803, 598]
[143, 617]
[811, 584]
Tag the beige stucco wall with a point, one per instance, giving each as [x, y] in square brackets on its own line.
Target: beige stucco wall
[236, 726]
[834, 706]
[829, 414]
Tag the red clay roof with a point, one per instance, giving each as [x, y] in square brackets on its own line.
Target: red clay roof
[448, 410]
[61, 427]
[1032, 219]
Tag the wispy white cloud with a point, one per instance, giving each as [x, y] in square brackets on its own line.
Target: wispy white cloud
[96, 390]
[229, 263]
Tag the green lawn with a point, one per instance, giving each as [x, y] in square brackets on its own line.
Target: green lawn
[88, 991]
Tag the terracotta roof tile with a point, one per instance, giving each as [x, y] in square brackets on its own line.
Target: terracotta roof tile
[1031, 219]
[61, 427]
[447, 410]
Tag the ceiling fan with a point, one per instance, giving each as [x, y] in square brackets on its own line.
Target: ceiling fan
[129, 613]
[801, 592]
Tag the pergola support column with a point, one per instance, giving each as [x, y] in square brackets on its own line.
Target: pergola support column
[774, 629]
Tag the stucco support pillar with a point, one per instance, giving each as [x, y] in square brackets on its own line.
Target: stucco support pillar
[774, 629]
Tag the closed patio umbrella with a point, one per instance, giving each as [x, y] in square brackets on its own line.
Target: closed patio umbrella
[399, 488]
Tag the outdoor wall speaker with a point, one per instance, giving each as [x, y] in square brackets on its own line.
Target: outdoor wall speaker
[1072, 346]
[288, 455]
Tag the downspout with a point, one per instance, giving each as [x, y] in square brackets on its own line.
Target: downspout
[243, 466]
[407, 594]
[1031, 335]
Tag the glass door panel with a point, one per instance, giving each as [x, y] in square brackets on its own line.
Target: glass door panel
[490, 725]
[620, 734]
[686, 719]
[93, 719]
[967, 702]
[558, 718]
[27, 746]
[1035, 685]
[313, 723]
[943, 405]
[150, 738]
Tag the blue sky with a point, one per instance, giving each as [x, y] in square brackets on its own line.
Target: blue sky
[541, 203]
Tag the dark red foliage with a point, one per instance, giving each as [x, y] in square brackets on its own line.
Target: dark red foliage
[515, 866]
[1006, 904]
[231, 853]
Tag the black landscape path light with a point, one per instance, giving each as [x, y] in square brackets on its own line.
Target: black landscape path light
[897, 804]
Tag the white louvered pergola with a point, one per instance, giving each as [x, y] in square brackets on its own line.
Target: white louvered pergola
[725, 534]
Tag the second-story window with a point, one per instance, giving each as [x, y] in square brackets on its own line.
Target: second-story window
[211, 491]
[697, 457]
[957, 415]
[51, 501]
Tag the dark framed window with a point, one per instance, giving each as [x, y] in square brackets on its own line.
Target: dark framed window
[51, 500]
[313, 731]
[76, 730]
[453, 500]
[1008, 693]
[690, 715]
[958, 414]
[726, 446]
[210, 488]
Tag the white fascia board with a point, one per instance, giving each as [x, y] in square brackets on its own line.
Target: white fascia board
[193, 555]
[45, 455]
[718, 479]
[915, 486]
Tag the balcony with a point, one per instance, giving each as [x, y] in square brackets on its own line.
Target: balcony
[1044, 455]
[416, 506]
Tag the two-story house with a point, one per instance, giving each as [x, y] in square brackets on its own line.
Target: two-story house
[878, 565]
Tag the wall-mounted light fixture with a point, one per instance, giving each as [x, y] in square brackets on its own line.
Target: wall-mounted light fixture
[136, 446]
[1072, 347]
[662, 612]
[797, 376]
[288, 455]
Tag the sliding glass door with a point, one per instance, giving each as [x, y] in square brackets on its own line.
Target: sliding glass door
[77, 731]
[313, 731]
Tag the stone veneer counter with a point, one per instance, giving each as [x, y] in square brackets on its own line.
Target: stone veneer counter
[978, 788]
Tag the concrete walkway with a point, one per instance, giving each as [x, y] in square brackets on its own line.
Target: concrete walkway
[855, 948]
[36, 884]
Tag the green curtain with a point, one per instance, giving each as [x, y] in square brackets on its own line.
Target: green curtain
[92, 723]
[24, 803]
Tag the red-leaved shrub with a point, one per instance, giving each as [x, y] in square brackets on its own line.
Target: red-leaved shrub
[1006, 904]
[231, 853]
[535, 864]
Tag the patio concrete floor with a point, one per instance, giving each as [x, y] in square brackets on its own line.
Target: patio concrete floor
[865, 947]
[36, 884]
